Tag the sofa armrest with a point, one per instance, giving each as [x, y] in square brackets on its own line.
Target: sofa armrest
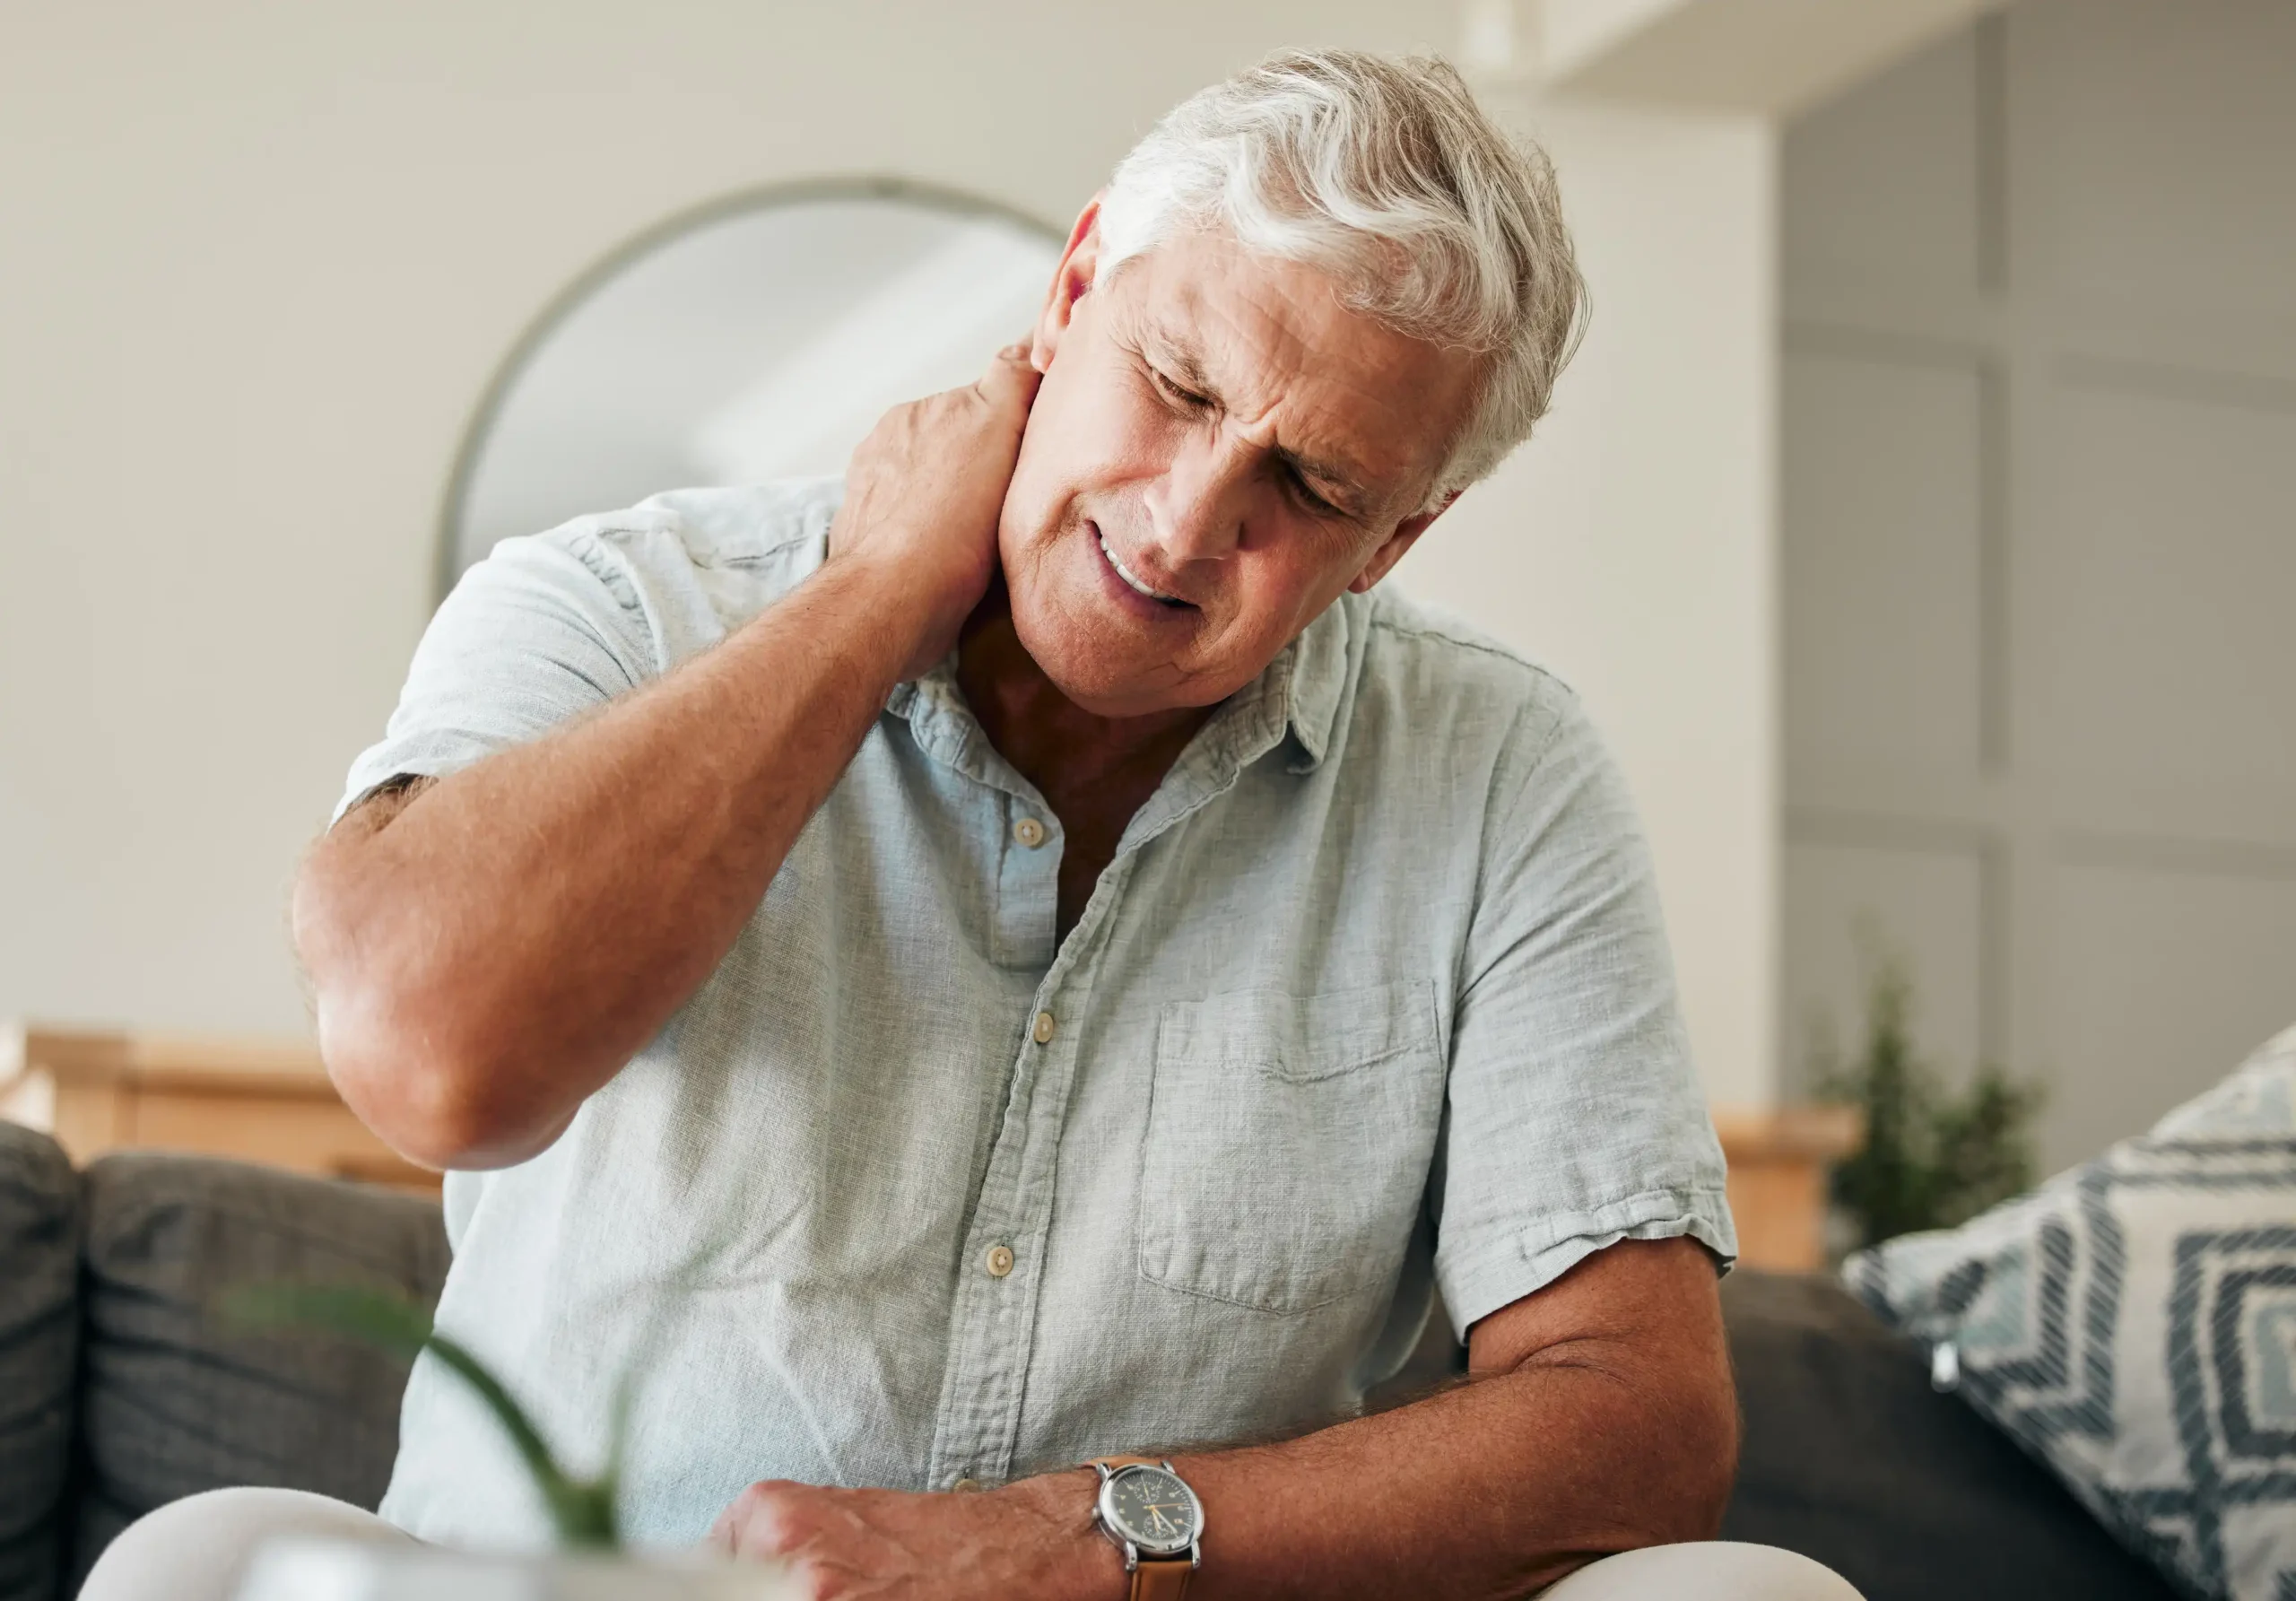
[39, 1338]
[1851, 1458]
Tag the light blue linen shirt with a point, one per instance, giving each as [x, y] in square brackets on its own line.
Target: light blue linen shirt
[1374, 998]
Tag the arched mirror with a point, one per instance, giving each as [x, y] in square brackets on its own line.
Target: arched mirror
[760, 338]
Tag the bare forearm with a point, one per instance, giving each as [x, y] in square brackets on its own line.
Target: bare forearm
[1602, 1417]
[1492, 1489]
[504, 945]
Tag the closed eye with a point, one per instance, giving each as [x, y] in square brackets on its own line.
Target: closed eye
[1314, 502]
[1175, 393]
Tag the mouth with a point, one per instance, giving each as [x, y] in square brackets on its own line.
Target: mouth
[1132, 580]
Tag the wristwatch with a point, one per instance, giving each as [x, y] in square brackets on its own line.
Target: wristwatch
[1154, 1518]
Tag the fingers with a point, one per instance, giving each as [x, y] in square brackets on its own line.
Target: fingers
[750, 1527]
[1011, 380]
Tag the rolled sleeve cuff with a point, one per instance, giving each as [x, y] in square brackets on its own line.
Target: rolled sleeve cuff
[435, 754]
[1479, 1277]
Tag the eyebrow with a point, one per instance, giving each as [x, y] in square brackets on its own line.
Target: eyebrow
[1191, 375]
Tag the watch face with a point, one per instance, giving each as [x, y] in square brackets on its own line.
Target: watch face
[1152, 1508]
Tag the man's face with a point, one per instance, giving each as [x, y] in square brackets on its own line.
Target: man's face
[1216, 428]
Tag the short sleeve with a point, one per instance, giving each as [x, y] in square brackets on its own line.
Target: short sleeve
[1574, 1118]
[543, 630]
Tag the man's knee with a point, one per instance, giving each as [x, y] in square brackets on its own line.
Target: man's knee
[1707, 1571]
[196, 1549]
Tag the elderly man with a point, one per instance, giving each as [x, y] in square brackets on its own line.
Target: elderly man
[1023, 972]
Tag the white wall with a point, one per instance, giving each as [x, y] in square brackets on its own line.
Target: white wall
[260, 262]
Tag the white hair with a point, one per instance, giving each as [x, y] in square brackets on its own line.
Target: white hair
[1384, 173]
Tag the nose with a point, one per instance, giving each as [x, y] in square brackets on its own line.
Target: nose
[1196, 511]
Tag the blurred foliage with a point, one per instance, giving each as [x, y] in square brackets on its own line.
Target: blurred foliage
[581, 1510]
[1932, 1158]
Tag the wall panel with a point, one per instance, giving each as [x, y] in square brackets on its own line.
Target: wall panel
[2166, 978]
[2040, 502]
[1851, 904]
[1886, 180]
[2163, 134]
[1884, 564]
[2171, 617]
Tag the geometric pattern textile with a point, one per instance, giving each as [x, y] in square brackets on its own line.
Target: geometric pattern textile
[2133, 1324]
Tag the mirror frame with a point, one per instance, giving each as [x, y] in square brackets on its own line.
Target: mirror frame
[569, 300]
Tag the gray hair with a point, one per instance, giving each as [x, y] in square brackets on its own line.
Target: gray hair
[1385, 173]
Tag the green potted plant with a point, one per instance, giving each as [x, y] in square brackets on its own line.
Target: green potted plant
[1932, 1157]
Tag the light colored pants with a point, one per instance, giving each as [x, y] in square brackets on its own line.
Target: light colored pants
[196, 1549]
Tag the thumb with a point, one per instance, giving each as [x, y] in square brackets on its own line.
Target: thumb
[1010, 384]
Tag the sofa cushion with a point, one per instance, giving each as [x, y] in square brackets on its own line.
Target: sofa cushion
[2133, 1323]
[1850, 1457]
[39, 1325]
[175, 1398]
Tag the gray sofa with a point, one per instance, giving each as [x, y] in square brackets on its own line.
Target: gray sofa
[119, 1391]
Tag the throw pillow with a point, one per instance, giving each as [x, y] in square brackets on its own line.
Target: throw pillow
[2133, 1323]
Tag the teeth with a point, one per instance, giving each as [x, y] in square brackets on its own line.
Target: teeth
[1125, 573]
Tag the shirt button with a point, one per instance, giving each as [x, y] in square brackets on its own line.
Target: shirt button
[1028, 831]
[1042, 1033]
[962, 1486]
[1000, 1261]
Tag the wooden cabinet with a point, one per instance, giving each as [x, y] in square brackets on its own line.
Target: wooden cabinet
[257, 1100]
[271, 1101]
[1779, 1162]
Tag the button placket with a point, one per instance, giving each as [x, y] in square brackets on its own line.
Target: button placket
[1027, 885]
[994, 1312]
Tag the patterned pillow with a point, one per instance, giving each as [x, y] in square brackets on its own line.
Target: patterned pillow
[2133, 1323]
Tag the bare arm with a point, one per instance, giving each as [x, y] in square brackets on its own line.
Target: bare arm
[1598, 1415]
[487, 951]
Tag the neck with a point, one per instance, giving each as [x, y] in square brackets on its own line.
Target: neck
[1055, 744]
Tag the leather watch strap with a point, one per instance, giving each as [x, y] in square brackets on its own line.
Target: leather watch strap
[1161, 1579]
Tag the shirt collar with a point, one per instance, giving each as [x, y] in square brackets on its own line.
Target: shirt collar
[1298, 690]
[1317, 672]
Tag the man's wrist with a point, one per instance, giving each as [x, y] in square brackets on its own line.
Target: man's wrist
[1079, 1562]
[916, 618]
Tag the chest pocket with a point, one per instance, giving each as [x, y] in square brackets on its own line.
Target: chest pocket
[1288, 1143]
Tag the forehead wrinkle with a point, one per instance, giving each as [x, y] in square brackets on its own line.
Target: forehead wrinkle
[1178, 350]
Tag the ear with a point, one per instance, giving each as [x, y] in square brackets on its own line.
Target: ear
[1406, 535]
[1072, 281]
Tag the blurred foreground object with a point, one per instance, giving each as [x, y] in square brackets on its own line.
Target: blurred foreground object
[357, 1571]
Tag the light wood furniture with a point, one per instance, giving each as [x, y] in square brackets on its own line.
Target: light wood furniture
[1779, 1160]
[271, 1101]
[258, 1101]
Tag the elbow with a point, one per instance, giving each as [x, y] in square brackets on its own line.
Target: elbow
[396, 1035]
[422, 1096]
